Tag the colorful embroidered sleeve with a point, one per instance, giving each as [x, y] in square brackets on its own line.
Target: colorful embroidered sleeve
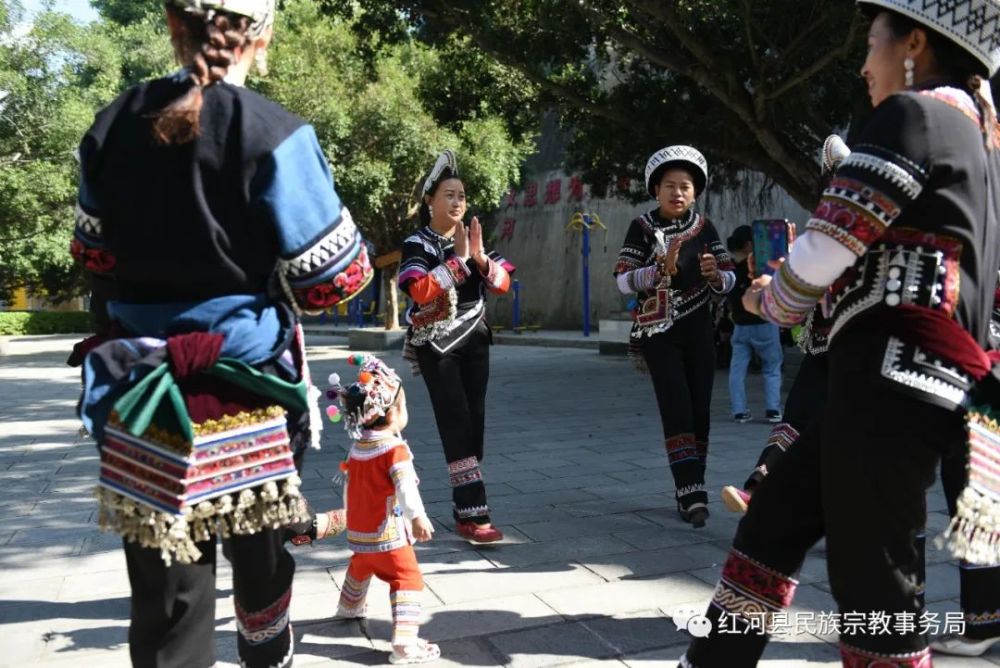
[323, 259]
[635, 251]
[884, 174]
[723, 260]
[88, 246]
[497, 274]
[404, 477]
[422, 276]
[638, 280]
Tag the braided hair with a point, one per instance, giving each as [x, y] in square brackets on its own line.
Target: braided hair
[213, 43]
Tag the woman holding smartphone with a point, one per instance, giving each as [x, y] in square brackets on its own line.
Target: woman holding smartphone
[673, 261]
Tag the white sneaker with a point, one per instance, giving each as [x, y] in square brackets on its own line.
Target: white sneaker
[957, 645]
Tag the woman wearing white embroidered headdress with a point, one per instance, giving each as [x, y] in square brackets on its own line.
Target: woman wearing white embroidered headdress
[904, 247]
[673, 261]
[446, 272]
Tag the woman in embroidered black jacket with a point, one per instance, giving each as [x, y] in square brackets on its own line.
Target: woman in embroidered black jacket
[447, 273]
[673, 259]
[213, 213]
[905, 238]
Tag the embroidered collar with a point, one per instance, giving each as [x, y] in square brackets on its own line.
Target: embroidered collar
[438, 238]
[672, 224]
[957, 98]
[373, 435]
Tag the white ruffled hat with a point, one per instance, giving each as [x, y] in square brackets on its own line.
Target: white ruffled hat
[687, 157]
[974, 25]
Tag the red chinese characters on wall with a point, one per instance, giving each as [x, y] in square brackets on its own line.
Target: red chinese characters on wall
[510, 199]
[551, 194]
[531, 194]
[507, 229]
[553, 191]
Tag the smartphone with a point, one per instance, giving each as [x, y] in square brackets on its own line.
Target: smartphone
[771, 241]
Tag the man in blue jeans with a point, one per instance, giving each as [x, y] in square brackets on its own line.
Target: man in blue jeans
[751, 335]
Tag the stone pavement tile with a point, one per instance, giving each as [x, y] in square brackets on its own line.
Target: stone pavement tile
[541, 499]
[564, 468]
[572, 549]
[613, 505]
[65, 637]
[593, 526]
[477, 586]
[19, 592]
[620, 596]
[569, 482]
[550, 646]
[656, 562]
[636, 632]
[96, 585]
[660, 473]
[484, 617]
[657, 537]
[506, 515]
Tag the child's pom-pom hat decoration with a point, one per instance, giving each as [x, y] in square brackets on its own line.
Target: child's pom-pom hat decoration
[367, 399]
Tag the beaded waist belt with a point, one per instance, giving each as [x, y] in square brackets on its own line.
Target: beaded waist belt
[168, 483]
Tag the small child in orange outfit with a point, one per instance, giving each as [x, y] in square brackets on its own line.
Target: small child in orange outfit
[385, 514]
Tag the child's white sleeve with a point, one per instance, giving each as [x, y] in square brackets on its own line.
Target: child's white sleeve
[404, 477]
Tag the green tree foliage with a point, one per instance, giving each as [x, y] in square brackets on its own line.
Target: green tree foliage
[754, 84]
[54, 74]
[381, 112]
[373, 120]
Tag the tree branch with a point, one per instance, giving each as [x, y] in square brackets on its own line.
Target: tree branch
[820, 64]
[500, 55]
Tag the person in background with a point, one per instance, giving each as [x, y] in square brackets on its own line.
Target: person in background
[751, 334]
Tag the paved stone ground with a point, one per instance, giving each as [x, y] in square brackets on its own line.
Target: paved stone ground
[594, 562]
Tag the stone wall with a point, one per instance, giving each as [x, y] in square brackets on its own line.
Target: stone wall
[549, 258]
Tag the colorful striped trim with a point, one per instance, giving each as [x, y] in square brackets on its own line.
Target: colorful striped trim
[783, 435]
[406, 611]
[264, 625]
[402, 472]
[464, 472]
[789, 299]
[852, 657]
[898, 170]
[390, 535]
[469, 512]
[353, 597]
[751, 591]
[681, 448]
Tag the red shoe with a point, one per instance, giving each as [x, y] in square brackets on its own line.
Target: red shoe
[735, 499]
[476, 534]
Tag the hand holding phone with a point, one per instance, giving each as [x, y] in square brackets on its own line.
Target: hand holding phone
[772, 241]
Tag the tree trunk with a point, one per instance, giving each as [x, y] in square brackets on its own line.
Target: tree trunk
[390, 276]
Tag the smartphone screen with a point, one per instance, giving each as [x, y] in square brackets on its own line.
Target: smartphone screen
[770, 244]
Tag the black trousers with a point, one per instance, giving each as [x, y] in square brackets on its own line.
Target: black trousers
[456, 382]
[859, 477]
[173, 607]
[681, 363]
[804, 405]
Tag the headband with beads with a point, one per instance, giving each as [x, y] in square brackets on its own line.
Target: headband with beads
[368, 398]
